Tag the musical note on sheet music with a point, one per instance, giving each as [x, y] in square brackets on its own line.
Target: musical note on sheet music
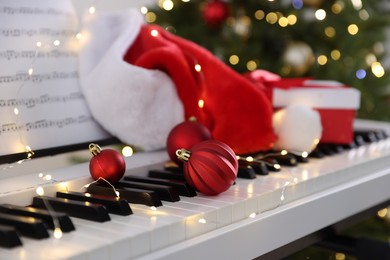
[44, 124]
[30, 54]
[51, 109]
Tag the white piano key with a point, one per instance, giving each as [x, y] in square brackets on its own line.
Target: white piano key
[224, 209]
[164, 227]
[117, 236]
[80, 244]
[203, 218]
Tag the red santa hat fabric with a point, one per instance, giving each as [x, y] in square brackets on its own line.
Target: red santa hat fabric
[235, 110]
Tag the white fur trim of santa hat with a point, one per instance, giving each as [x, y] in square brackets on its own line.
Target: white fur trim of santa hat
[139, 106]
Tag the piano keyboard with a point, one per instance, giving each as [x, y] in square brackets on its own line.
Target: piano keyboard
[256, 215]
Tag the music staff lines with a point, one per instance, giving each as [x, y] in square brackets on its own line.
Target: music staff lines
[37, 78]
[31, 54]
[17, 32]
[44, 124]
[43, 99]
[26, 10]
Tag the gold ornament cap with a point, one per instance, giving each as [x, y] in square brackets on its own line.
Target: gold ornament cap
[94, 149]
[183, 154]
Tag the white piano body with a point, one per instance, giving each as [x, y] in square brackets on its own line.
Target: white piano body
[252, 218]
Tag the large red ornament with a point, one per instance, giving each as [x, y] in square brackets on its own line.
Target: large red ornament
[186, 135]
[107, 164]
[215, 13]
[210, 166]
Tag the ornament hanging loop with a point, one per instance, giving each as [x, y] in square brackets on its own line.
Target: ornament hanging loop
[94, 149]
[183, 154]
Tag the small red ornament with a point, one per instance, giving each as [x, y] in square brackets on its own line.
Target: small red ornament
[107, 164]
[210, 167]
[215, 13]
[186, 135]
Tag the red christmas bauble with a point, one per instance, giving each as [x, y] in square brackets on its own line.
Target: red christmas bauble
[210, 166]
[215, 13]
[186, 135]
[107, 164]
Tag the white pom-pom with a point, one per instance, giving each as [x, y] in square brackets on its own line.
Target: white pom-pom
[298, 128]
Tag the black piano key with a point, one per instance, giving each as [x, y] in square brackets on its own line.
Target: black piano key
[9, 237]
[349, 146]
[183, 188]
[317, 153]
[167, 193]
[326, 149]
[367, 135]
[359, 140]
[286, 160]
[132, 195]
[259, 167]
[63, 219]
[381, 135]
[78, 209]
[246, 172]
[337, 148]
[27, 226]
[175, 169]
[113, 204]
[167, 174]
[300, 158]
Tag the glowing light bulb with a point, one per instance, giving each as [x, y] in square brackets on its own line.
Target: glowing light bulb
[249, 159]
[167, 5]
[144, 10]
[79, 36]
[153, 208]
[30, 71]
[39, 44]
[382, 213]
[117, 193]
[198, 68]
[57, 233]
[202, 221]
[154, 33]
[92, 10]
[200, 103]
[234, 59]
[39, 190]
[252, 215]
[56, 42]
[127, 151]
[377, 69]
[305, 154]
[283, 152]
[320, 14]
[47, 177]
[16, 111]
[353, 29]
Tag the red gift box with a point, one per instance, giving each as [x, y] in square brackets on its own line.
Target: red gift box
[336, 103]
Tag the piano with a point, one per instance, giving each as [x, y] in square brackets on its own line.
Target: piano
[258, 217]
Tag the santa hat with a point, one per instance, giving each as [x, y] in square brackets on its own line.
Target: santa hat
[236, 111]
[139, 106]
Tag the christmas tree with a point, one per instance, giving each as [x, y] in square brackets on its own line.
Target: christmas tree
[340, 40]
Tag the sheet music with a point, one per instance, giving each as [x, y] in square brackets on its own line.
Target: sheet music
[41, 104]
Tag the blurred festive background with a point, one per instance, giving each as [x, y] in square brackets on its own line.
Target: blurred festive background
[342, 40]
